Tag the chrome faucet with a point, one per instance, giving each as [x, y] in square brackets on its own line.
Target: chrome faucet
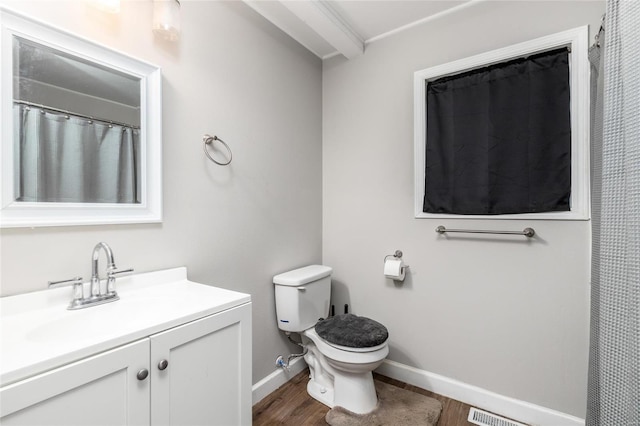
[111, 266]
[96, 296]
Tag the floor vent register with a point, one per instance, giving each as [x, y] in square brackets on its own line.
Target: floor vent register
[484, 418]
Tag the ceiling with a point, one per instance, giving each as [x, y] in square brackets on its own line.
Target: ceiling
[332, 27]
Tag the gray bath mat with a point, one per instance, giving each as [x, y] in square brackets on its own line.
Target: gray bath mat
[396, 406]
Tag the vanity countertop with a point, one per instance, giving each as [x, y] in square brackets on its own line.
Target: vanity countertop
[38, 333]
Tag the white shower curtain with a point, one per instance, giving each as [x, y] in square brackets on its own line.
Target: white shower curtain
[69, 159]
[614, 364]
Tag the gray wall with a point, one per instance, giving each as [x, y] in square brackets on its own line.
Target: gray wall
[235, 75]
[500, 313]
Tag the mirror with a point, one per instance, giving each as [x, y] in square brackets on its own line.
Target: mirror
[63, 155]
[80, 130]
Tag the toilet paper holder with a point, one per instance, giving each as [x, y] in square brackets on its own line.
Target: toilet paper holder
[397, 255]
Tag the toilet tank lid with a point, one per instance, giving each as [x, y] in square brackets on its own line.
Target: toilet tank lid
[303, 275]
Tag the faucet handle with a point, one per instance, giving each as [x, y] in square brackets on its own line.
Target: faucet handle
[115, 272]
[76, 282]
[112, 274]
[64, 283]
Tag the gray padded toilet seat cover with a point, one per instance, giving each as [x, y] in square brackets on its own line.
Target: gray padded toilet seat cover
[352, 331]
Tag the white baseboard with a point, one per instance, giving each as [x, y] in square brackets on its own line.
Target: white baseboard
[276, 379]
[502, 405]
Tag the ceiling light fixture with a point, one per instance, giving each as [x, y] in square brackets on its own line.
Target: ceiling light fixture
[166, 19]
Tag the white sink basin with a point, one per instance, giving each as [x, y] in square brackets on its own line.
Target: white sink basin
[38, 333]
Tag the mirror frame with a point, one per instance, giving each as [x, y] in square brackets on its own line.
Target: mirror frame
[32, 214]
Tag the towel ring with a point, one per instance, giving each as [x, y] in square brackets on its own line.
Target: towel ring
[208, 140]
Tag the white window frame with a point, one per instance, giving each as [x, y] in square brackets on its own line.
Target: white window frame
[577, 41]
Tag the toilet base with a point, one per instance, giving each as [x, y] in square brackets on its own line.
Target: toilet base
[320, 393]
[356, 392]
[335, 387]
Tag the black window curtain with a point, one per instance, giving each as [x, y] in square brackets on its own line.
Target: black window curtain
[499, 138]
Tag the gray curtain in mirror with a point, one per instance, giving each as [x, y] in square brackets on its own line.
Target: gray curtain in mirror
[68, 159]
[614, 359]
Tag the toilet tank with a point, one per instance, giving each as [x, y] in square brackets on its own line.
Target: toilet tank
[302, 297]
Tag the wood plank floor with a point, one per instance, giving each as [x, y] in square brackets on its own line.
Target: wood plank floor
[291, 405]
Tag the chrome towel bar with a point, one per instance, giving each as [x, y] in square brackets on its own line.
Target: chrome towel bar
[527, 232]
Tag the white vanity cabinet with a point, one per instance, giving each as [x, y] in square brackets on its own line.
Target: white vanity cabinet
[99, 390]
[183, 361]
[207, 378]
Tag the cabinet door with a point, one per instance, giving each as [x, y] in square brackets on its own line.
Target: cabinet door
[99, 390]
[207, 380]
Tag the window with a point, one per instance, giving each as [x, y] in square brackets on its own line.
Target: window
[519, 151]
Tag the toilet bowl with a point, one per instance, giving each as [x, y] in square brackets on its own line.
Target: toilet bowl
[341, 376]
[341, 351]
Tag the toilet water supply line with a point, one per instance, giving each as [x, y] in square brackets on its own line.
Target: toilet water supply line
[280, 361]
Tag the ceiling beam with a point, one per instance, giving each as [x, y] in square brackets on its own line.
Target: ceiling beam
[282, 18]
[328, 24]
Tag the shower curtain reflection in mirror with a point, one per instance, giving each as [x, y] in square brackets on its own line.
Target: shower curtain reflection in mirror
[66, 159]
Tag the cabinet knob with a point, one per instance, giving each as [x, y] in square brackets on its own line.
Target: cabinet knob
[142, 374]
[163, 364]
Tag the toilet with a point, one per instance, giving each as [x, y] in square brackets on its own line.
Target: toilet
[342, 350]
